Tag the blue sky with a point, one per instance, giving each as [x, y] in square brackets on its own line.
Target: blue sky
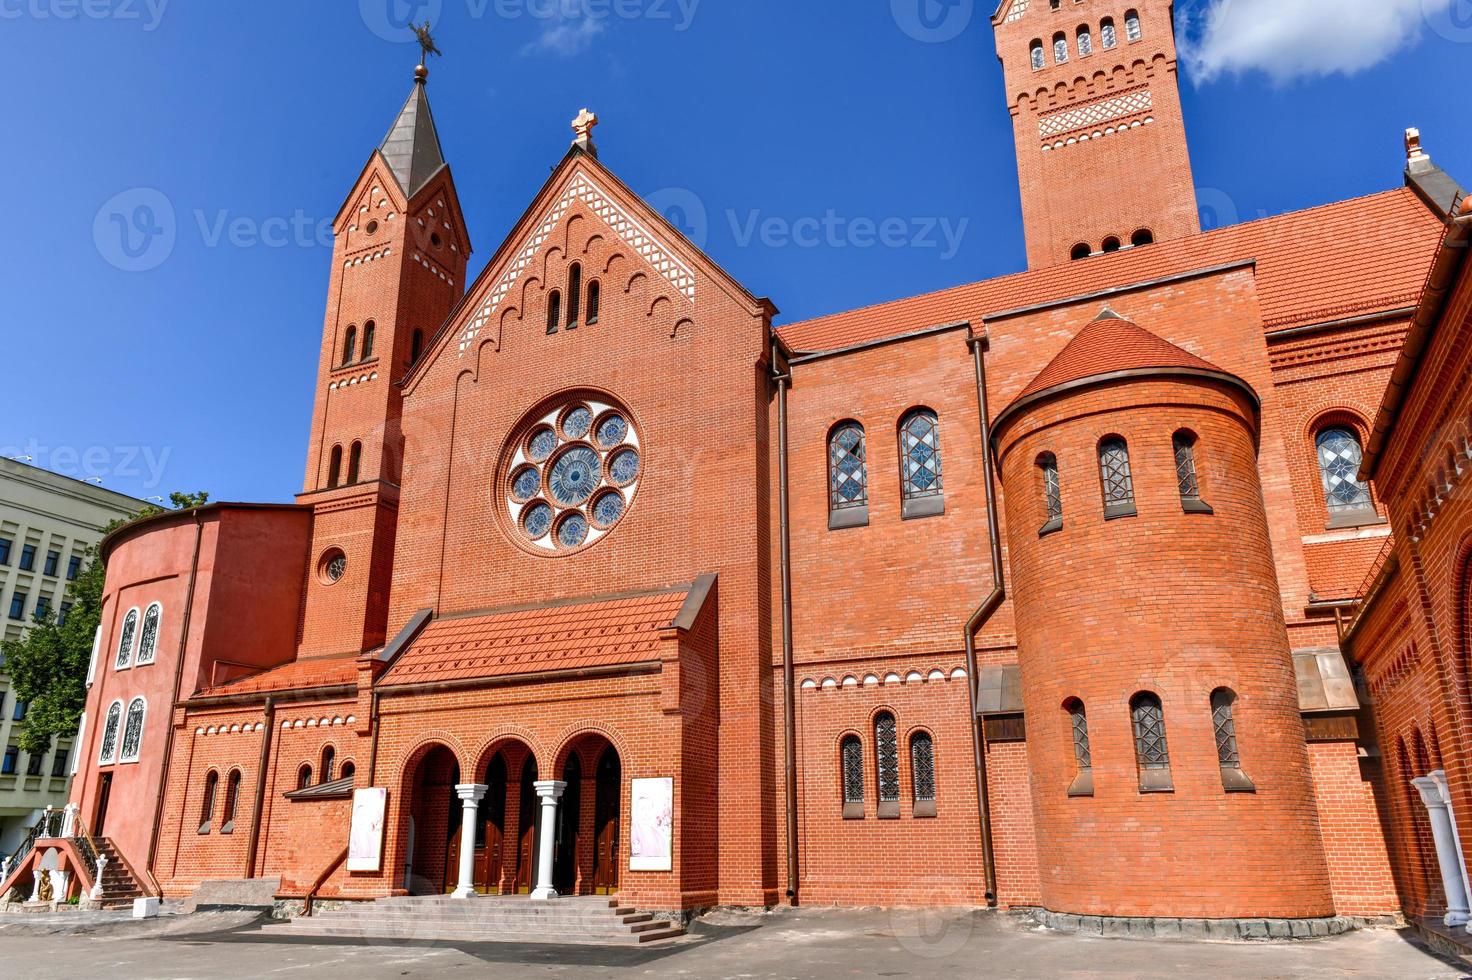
[241, 124]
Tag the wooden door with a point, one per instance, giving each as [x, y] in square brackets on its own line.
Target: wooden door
[104, 794]
[491, 832]
[606, 823]
[569, 821]
[526, 858]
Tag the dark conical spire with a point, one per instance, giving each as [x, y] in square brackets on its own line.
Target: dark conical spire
[412, 146]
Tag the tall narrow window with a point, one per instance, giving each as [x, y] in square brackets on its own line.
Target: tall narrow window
[595, 294]
[1132, 30]
[1114, 475]
[848, 476]
[1085, 42]
[1060, 48]
[920, 484]
[125, 641]
[416, 346]
[1187, 482]
[554, 311]
[232, 801]
[1052, 494]
[133, 731]
[304, 776]
[350, 346]
[922, 773]
[1107, 35]
[574, 293]
[207, 805]
[1083, 759]
[348, 770]
[1039, 59]
[1347, 496]
[355, 462]
[148, 640]
[109, 751]
[334, 468]
[851, 757]
[368, 331]
[1234, 780]
[1152, 755]
[329, 755]
[887, 763]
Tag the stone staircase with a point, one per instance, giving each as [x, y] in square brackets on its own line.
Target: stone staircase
[119, 887]
[580, 920]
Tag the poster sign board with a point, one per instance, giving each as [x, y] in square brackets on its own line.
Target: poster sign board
[365, 844]
[652, 837]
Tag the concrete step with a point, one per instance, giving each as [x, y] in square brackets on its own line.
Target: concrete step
[413, 932]
[547, 924]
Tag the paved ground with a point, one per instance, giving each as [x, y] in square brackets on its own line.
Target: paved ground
[821, 944]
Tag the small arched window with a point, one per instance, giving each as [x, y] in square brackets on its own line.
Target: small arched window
[1142, 236]
[1110, 244]
[1081, 251]
[921, 493]
[1107, 35]
[848, 476]
[595, 295]
[851, 758]
[304, 776]
[334, 468]
[108, 754]
[1224, 725]
[1114, 475]
[125, 640]
[554, 311]
[1038, 58]
[1132, 29]
[355, 462]
[348, 770]
[922, 773]
[232, 802]
[416, 346]
[1152, 755]
[1060, 48]
[329, 755]
[887, 765]
[148, 639]
[350, 346]
[1083, 758]
[133, 730]
[207, 805]
[1052, 494]
[1183, 443]
[1347, 496]
[1085, 41]
[369, 329]
[574, 293]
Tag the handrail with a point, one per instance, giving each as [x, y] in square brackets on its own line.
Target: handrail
[322, 880]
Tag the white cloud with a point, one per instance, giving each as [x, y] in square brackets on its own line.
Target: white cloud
[569, 34]
[1288, 39]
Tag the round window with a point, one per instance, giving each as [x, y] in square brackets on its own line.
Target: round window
[333, 566]
[569, 474]
[371, 227]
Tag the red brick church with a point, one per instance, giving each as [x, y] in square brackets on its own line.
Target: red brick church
[1028, 592]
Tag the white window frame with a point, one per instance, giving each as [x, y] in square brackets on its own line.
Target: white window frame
[81, 731]
[118, 663]
[107, 760]
[96, 650]
[123, 757]
[138, 660]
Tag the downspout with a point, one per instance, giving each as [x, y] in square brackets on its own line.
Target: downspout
[789, 704]
[373, 741]
[158, 803]
[984, 612]
[257, 812]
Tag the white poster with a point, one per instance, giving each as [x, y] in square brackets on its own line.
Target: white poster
[652, 841]
[365, 844]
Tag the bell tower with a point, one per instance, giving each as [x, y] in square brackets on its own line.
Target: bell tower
[398, 268]
[1102, 160]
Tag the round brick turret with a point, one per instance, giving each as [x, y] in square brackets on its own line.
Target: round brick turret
[1166, 592]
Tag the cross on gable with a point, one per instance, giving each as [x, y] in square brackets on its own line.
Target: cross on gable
[584, 123]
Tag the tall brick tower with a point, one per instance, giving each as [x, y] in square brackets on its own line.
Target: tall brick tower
[398, 268]
[1096, 115]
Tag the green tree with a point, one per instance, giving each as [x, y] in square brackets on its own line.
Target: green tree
[48, 664]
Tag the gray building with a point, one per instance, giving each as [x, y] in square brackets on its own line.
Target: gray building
[47, 523]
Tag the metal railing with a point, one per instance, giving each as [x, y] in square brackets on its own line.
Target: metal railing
[1367, 587]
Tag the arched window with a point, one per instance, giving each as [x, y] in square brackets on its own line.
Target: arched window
[1152, 755]
[554, 311]
[348, 770]
[232, 801]
[355, 462]
[887, 765]
[133, 730]
[922, 773]
[125, 640]
[1081, 251]
[304, 776]
[1347, 496]
[1224, 725]
[851, 757]
[1052, 493]
[207, 805]
[1183, 443]
[416, 346]
[1110, 244]
[1107, 35]
[108, 754]
[1060, 48]
[350, 346]
[595, 294]
[920, 482]
[848, 476]
[574, 293]
[1039, 59]
[1114, 474]
[334, 468]
[1142, 236]
[329, 755]
[368, 330]
[1085, 41]
[1132, 30]
[1083, 759]
[148, 640]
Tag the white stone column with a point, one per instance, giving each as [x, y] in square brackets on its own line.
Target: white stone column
[1446, 850]
[470, 796]
[101, 870]
[69, 820]
[550, 790]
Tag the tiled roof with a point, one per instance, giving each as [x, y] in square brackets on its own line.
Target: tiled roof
[1112, 343]
[297, 675]
[561, 637]
[1358, 256]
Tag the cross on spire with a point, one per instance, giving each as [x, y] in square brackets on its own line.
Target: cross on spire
[583, 127]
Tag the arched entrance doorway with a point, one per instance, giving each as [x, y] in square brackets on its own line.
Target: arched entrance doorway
[433, 821]
[607, 804]
[569, 828]
[490, 832]
[526, 823]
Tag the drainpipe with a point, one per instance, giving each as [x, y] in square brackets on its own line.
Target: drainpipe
[984, 612]
[789, 705]
[255, 820]
[158, 803]
[373, 742]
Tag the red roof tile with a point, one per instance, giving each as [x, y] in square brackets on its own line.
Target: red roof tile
[297, 675]
[1358, 256]
[566, 637]
[1112, 343]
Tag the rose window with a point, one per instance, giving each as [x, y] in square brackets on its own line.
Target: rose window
[571, 475]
